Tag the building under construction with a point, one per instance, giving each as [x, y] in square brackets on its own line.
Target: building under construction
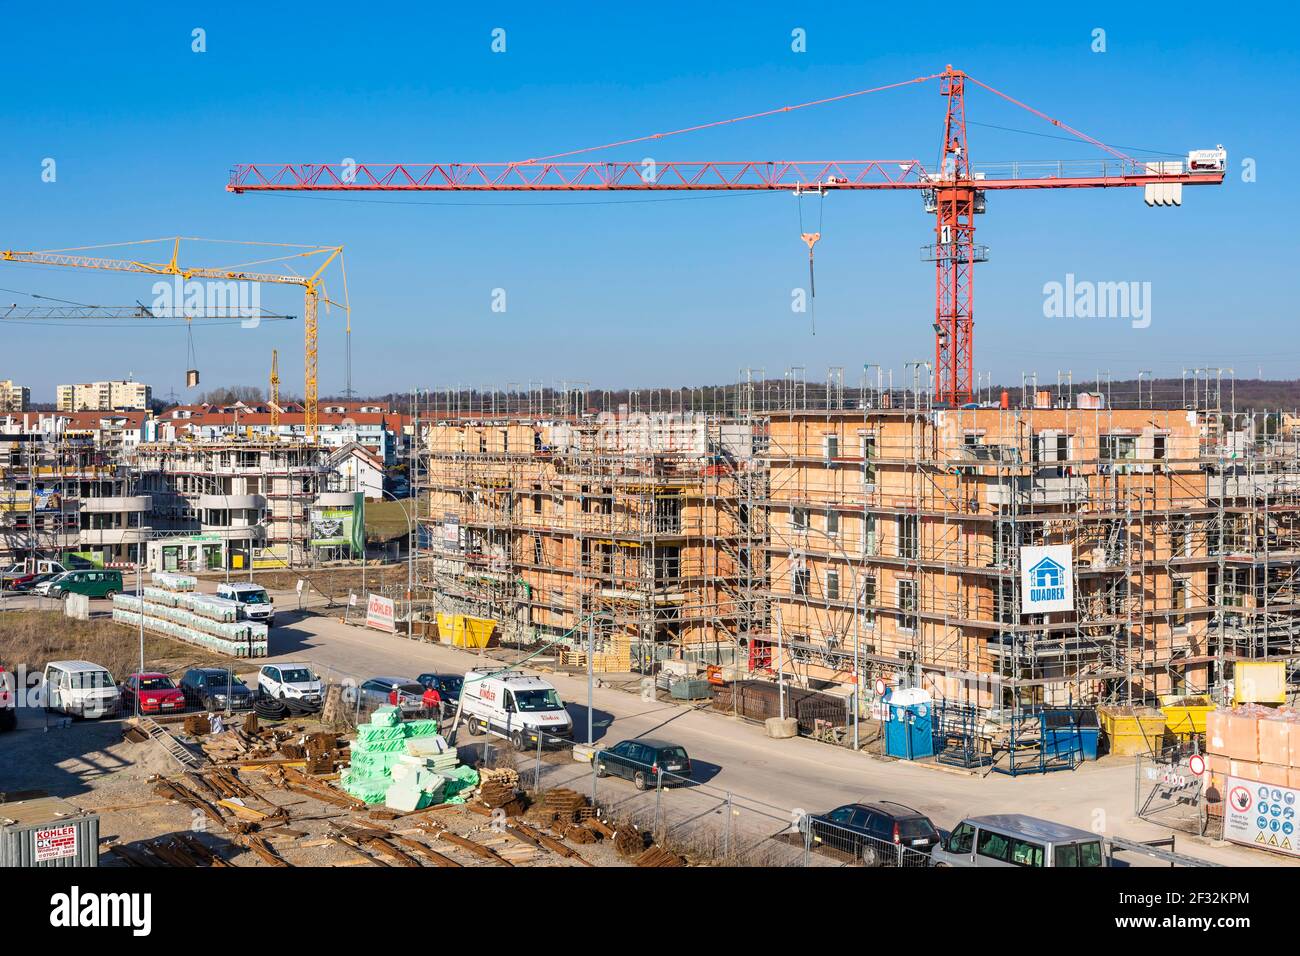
[62, 494]
[845, 535]
[625, 529]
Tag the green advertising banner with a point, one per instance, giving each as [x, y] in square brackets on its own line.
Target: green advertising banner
[340, 526]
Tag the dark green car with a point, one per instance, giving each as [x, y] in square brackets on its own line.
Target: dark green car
[642, 762]
[99, 583]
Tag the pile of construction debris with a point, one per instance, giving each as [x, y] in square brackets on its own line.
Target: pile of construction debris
[391, 798]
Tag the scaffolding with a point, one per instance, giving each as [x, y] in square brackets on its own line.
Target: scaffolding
[863, 532]
[552, 518]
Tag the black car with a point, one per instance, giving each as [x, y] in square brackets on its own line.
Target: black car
[447, 687]
[212, 688]
[30, 582]
[641, 762]
[879, 834]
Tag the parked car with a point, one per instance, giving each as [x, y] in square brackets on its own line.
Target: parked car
[441, 691]
[1014, 839]
[399, 691]
[875, 832]
[213, 688]
[641, 761]
[100, 583]
[156, 693]
[29, 582]
[8, 700]
[80, 688]
[295, 683]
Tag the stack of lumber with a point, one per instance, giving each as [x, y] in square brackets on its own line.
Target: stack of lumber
[628, 841]
[498, 788]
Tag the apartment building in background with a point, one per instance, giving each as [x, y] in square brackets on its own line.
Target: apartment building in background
[104, 396]
[257, 503]
[14, 398]
[61, 494]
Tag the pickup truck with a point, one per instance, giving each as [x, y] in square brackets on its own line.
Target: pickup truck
[24, 571]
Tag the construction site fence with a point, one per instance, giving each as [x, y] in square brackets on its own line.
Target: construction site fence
[688, 815]
[1168, 793]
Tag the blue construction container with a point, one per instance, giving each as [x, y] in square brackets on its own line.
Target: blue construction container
[909, 724]
[1067, 729]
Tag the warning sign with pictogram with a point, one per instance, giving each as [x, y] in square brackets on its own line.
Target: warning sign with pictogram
[1262, 815]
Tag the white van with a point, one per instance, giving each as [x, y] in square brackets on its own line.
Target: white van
[254, 603]
[80, 688]
[515, 706]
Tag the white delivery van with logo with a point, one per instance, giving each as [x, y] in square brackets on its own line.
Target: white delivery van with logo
[515, 706]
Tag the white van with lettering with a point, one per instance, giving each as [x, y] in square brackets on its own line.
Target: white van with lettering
[512, 705]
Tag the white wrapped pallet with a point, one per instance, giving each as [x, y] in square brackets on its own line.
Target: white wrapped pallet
[174, 582]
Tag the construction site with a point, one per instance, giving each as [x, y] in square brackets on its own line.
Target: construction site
[880, 535]
[907, 614]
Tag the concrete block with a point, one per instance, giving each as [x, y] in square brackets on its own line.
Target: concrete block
[781, 729]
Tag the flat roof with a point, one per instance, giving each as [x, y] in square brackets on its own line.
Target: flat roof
[1032, 827]
[39, 810]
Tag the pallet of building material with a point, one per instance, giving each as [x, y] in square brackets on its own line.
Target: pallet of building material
[628, 840]
[658, 856]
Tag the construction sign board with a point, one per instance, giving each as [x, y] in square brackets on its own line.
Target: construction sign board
[56, 843]
[1261, 815]
[1046, 578]
[381, 613]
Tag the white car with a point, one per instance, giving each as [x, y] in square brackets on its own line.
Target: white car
[290, 682]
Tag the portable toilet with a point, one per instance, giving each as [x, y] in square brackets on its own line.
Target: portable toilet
[909, 724]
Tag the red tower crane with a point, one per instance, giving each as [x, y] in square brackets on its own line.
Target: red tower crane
[955, 192]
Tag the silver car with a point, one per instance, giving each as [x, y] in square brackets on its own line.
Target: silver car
[1013, 839]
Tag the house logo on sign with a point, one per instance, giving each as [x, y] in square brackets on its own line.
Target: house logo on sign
[1047, 577]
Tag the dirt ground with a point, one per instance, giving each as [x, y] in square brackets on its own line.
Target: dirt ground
[334, 582]
[30, 639]
[91, 765]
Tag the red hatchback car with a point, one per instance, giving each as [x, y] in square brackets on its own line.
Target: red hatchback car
[158, 694]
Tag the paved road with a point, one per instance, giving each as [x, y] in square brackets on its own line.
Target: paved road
[737, 756]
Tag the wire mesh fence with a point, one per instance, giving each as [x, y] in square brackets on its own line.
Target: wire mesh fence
[689, 816]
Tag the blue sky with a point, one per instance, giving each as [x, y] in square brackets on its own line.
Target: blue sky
[619, 291]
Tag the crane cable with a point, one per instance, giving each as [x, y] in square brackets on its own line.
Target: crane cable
[810, 240]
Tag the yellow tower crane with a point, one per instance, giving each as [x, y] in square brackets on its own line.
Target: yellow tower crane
[275, 389]
[312, 285]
